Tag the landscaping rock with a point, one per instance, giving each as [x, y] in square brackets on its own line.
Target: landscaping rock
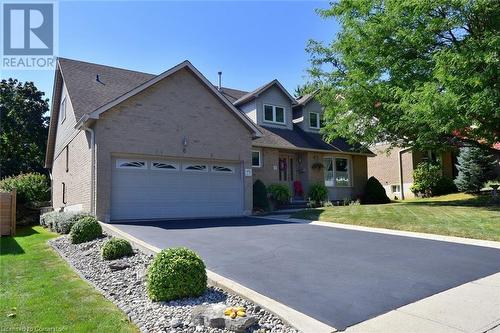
[118, 265]
[209, 315]
[123, 283]
[240, 324]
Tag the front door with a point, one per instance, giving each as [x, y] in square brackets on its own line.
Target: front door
[287, 169]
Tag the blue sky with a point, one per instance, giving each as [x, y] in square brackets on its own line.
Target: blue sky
[252, 42]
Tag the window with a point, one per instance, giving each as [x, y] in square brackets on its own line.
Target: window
[256, 159]
[395, 188]
[62, 110]
[67, 158]
[130, 164]
[64, 193]
[195, 167]
[329, 171]
[337, 172]
[342, 172]
[274, 114]
[166, 166]
[222, 169]
[314, 121]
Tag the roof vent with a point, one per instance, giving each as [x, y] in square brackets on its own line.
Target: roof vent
[220, 81]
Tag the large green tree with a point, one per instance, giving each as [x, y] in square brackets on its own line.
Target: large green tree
[415, 73]
[23, 128]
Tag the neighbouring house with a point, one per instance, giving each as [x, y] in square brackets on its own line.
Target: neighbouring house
[127, 145]
[394, 167]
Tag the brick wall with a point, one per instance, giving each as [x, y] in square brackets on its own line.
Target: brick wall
[155, 123]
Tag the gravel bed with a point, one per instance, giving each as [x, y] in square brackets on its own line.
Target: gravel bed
[126, 288]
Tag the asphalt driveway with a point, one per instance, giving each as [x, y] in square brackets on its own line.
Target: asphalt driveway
[340, 277]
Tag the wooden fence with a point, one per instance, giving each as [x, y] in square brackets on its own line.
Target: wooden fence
[8, 213]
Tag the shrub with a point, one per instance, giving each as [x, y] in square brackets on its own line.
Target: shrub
[176, 273]
[31, 187]
[280, 193]
[318, 193]
[425, 176]
[374, 193]
[475, 166]
[116, 248]
[260, 200]
[86, 229]
[445, 185]
[61, 222]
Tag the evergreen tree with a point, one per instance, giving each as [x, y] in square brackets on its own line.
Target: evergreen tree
[475, 166]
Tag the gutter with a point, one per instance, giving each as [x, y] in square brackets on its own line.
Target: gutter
[400, 167]
[93, 170]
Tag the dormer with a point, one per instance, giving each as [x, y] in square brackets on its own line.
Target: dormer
[308, 113]
[268, 106]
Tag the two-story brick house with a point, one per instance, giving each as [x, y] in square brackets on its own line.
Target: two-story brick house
[128, 145]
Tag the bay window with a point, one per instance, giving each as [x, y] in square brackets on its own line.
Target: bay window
[337, 172]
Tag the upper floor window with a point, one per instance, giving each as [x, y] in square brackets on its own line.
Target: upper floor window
[274, 114]
[314, 120]
[62, 110]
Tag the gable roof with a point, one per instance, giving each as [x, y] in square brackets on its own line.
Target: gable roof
[303, 100]
[254, 94]
[299, 139]
[183, 65]
[86, 93]
[232, 94]
[93, 89]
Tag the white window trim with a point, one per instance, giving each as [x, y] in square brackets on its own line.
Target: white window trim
[175, 165]
[318, 123]
[274, 114]
[396, 185]
[260, 159]
[62, 110]
[187, 165]
[349, 170]
[121, 161]
[230, 167]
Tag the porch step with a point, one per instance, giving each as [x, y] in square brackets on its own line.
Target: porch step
[295, 204]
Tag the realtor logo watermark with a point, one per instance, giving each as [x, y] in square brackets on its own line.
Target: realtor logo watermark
[29, 31]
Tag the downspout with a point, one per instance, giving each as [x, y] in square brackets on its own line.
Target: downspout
[93, 209]
[400, 164]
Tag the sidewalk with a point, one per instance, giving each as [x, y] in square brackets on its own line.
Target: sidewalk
[473, 307]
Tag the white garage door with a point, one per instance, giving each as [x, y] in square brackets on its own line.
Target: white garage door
[155, 189]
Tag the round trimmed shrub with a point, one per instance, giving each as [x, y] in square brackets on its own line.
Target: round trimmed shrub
[86, 229]
[374, 193]
[176, 273]
[116, 248]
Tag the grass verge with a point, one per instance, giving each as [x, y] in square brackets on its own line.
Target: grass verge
[461, 215]
[40, 292]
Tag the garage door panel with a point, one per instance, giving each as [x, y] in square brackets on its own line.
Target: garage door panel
[148, 193]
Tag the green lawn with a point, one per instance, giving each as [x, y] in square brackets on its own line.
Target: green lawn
[461, 215]
[45, 294]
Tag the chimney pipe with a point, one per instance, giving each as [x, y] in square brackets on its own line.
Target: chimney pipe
[220, 80]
